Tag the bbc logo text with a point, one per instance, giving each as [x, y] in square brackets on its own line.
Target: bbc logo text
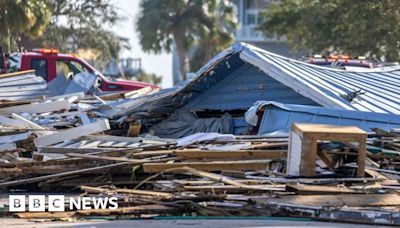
[37, 203]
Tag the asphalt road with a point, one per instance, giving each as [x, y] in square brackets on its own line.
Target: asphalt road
[175, 223]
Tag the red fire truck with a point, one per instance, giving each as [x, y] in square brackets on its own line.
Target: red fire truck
[49, 64]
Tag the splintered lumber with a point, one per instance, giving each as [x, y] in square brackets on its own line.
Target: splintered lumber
[269, 145]
[151, 153]
[79, 171]
[350, 200]
[231, 184]
[209, 166]
[212, 176]
[102, 158]
[314, 189]
[128, 191]
[37, 107]
[46, 177]
[65, 150]
[315, 180]
[245, 154]
[73, 133]
[231, 188]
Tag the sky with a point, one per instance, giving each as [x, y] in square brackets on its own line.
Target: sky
[159, 64]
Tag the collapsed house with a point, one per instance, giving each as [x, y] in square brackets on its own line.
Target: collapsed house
[216, 99]
[78, 142]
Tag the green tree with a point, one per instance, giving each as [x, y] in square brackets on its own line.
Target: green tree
[363, 27]
[162, 23]
[17, 17]
[68, 25]
[81, 24]
[217, 37]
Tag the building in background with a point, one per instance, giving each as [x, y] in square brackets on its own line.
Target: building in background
[249, 18]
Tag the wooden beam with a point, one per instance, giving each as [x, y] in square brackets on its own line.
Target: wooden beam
[128, 191]
[65, 150]
[104, 158]
[69, 173]
[250, 154]
[315, 189]
[350, 200]
[37, 107]
[208, 166]
[73, 133]
[212, 188]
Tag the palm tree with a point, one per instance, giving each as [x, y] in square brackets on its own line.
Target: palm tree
[162, 23]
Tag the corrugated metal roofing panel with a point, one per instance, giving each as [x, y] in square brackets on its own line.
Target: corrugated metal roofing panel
[22, 86]
[376, 90]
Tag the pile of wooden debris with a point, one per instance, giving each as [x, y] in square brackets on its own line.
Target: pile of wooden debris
[239, 176]
[65, 145]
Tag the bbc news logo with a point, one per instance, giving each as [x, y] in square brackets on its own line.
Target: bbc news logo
[37, 203]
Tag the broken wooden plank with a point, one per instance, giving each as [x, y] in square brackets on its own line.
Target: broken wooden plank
[230, 188]
[350, 200]
[128, 191]
[208, 166]
[103, 158]
[315, 189]
[65, 150]
[46, 177]
[73, 133]
[248, 154]
[37, 107]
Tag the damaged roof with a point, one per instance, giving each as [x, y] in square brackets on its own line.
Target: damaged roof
[374, 90]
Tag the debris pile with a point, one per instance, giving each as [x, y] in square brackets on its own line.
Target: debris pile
[221, 176]
[232, 158]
